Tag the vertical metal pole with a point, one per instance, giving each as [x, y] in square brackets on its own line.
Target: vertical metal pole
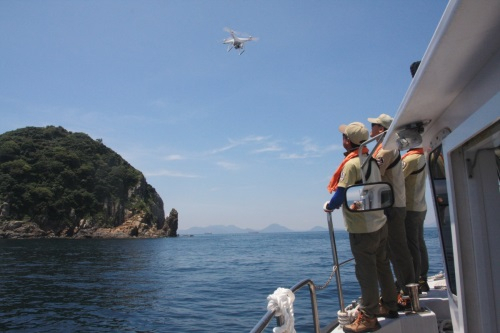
[335, 261]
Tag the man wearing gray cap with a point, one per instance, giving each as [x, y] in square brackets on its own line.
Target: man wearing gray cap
[391, 170]
[367, 233]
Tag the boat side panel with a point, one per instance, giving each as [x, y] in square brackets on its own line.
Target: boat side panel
[474, 217]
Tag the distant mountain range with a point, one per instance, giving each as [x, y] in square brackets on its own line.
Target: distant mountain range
[232, 229]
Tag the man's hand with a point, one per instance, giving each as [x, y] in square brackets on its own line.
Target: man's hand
[326, 208]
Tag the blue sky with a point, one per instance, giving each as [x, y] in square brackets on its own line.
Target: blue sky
[245, 140]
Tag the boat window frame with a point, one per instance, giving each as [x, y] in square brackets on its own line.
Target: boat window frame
[437, 176]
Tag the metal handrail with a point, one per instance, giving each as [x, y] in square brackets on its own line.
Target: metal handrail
[266, 319]
[335, 261]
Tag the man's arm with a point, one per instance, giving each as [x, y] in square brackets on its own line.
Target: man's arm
[337, 199]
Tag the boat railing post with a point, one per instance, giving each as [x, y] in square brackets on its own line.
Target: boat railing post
[280, 320]
[415, 302]
[335, 261]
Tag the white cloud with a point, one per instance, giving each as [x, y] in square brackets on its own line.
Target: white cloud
[169, 173]
[333, 147]
[255, 138]
[293, 156]
[228, 165]
[239, 142]
[174, 158]
[308, 150]
[270, 148]
[308, 145]
[225, 148]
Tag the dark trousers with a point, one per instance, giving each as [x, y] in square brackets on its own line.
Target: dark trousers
[414, 223]
[399, 253]
[373, 269]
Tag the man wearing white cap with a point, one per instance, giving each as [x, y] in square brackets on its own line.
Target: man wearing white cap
[389, 162]
[367, 233]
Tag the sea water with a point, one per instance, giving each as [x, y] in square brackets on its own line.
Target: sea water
[204, 283]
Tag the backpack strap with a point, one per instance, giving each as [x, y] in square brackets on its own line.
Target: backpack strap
[396, 161]
[368, 171]
[418, 171]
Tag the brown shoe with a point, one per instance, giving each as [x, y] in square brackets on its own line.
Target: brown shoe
[363, 324]
[384, 311]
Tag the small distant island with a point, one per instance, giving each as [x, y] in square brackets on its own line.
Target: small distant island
[232, 229]
[55, 183]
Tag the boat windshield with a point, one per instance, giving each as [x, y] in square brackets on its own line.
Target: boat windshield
[440, 192]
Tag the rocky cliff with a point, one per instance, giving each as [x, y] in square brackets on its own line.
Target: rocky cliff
[55, 183]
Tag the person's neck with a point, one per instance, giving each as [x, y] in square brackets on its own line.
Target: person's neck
[350, 150]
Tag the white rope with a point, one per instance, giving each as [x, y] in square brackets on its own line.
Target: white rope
[281, 302]
[347, 317]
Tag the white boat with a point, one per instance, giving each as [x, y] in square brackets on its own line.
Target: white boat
[453, 106]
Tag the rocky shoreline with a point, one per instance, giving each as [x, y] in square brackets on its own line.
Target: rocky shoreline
[133, 227]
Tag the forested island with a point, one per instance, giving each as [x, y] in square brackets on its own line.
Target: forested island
[55, 183]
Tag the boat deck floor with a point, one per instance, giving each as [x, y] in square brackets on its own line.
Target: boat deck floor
[433, 317]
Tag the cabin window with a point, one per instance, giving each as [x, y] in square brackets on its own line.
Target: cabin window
[440, 193]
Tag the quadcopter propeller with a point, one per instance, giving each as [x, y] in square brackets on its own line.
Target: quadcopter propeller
[226, 29]
[239, 34]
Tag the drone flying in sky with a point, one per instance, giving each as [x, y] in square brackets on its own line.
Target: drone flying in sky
[237, 42]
